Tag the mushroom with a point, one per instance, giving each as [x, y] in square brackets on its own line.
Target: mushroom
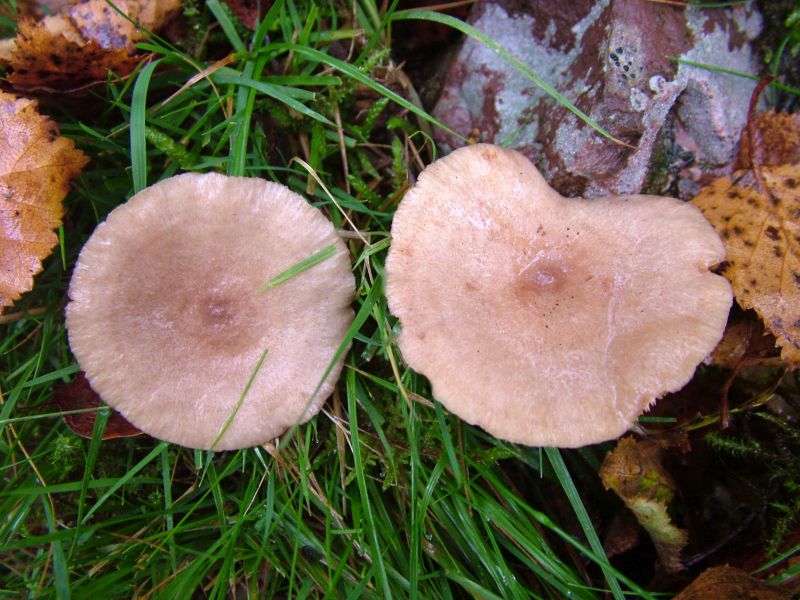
[169, 321]
[547, 320]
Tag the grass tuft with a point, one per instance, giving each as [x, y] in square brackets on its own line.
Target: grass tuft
[384, 494]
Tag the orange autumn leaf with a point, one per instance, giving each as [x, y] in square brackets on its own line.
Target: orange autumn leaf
[36, 166]
[761, 232]
[78, 395]
[80, 45]
[46, 60]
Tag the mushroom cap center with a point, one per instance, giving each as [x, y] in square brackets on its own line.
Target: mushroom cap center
[168, 321]
[548, 272]
[545, 320]
[218, 317]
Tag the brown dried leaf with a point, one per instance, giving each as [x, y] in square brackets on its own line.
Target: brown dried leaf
[635, 473]
[777, 140]
[81, 44]
[35, 170]
[728, 583]
[744, 342]
[77, 395]
[761, 232]
[48, 58]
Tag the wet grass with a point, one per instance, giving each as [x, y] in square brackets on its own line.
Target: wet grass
[384, 494]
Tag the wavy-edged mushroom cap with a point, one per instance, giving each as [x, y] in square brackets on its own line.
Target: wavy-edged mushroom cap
[168, 323]
[547, 320]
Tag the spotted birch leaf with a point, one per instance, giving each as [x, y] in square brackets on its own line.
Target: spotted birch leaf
[36, 166]
[761, 232]
[80, 45]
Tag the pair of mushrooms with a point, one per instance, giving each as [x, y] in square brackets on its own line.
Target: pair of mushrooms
[545, 320]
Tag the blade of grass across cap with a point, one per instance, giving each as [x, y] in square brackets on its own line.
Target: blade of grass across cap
[303, 265]
[361, 317]
[479, 36]
[239, 403]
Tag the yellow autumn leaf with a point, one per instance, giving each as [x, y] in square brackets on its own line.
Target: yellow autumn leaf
[36, 166]
[761, 232]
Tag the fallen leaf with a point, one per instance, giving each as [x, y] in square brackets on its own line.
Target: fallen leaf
[744, 342]
[45, 59]
[622, 534]
[761, 232]
[635, 473]
[41, 8]
[728, 583]
[81, 44]
[96, 21]
[36, 166]
[77, 395]
[777, 140]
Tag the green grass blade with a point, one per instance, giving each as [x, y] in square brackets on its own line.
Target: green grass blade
[239, 403]
[61, 572]
[100, 422]
[376, 555]
[137, 133]
[277, 92]
[166, 479]
[361, 317]
[125, 479]
[479, 36]
[221, 15]
[243, 112]
[304, 265]
[561, 471]
[717, 69]
[357, 75]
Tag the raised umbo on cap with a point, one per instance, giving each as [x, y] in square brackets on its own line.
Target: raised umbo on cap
[167, 320]
[547, 320]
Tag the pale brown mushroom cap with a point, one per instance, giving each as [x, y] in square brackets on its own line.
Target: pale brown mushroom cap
[168, 323]
[545, 320]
